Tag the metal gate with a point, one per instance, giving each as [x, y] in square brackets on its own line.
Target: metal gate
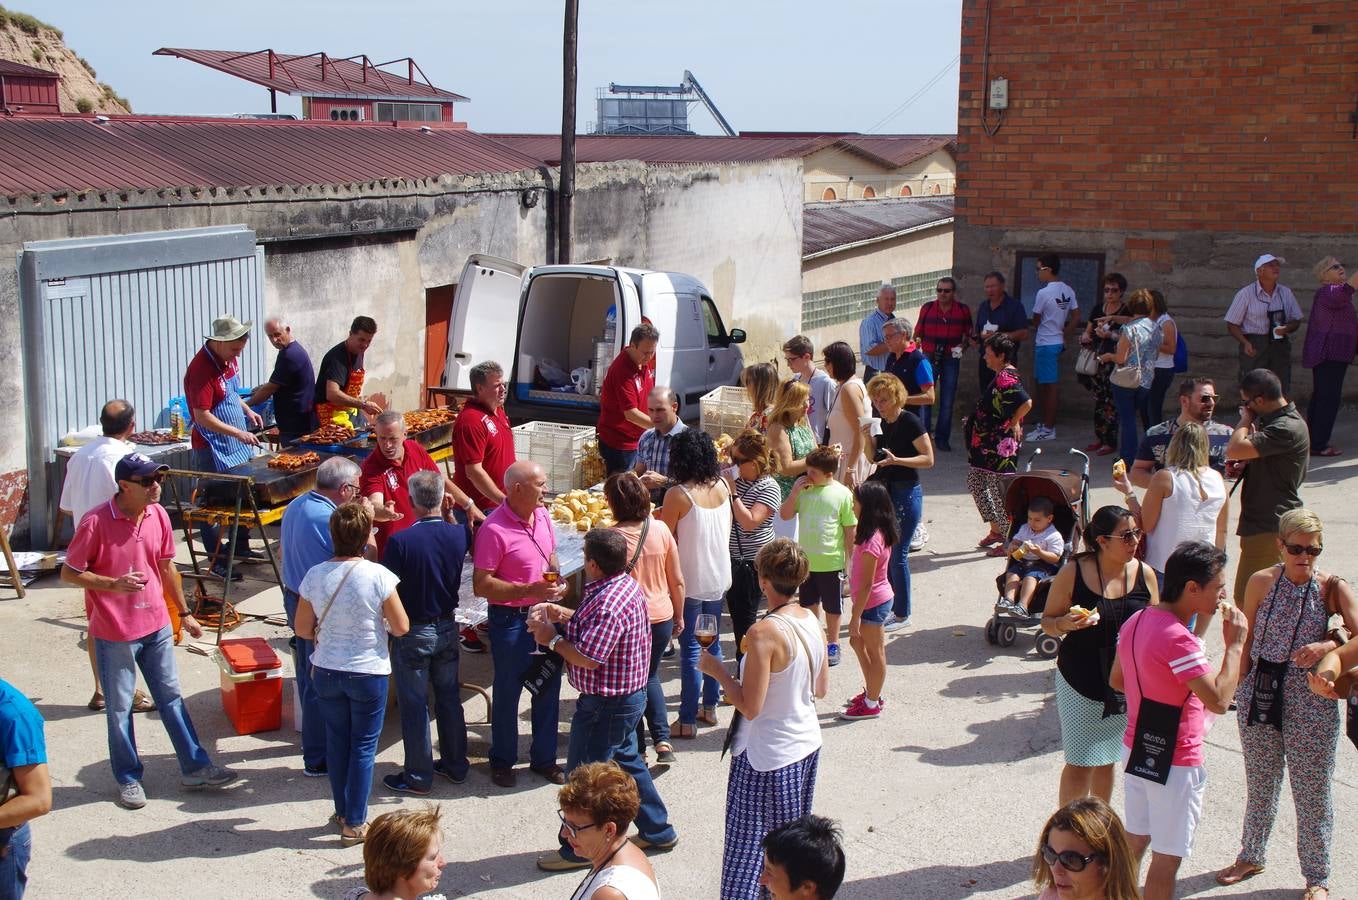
[121, 317]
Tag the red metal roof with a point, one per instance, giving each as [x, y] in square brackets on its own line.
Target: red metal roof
[660, 149]
[318, 74]
[57, 153]
[14, 68]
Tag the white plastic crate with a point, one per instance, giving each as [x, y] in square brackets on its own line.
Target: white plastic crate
[558, 448]
[725, 410]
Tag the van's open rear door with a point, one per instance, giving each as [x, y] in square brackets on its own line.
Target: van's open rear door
[485, 320]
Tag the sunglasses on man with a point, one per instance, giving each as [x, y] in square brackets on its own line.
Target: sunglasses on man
[148, 480]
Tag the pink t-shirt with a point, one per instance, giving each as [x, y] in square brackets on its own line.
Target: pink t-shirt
[108, 543]
[1160, 657]
[514, 550]
[875, 547]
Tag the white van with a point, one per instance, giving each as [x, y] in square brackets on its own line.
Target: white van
[545, 321]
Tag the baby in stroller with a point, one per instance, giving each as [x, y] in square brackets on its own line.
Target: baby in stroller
[1034, 555]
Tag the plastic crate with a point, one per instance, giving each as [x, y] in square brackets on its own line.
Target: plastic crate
[558, 448]
[725, 410]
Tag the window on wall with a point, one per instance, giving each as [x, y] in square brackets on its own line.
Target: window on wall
[935, 188]
[869, 193]
[829, 194]
[906, 192]
[1082, 271]
[408, 112]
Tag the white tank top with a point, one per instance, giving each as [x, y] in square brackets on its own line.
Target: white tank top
[631, 883]
[786, 729]
[1185, 515]
[1164, 360]
[704, 537]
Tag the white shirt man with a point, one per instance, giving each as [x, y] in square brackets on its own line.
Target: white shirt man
[89, 473]
[1261, 319]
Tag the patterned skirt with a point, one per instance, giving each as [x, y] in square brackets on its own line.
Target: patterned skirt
[1087, 737]
[757, 803]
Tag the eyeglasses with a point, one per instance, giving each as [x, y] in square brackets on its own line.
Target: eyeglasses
[148, 481]
[1044, 268]
[1130, 536]
[574, 830]
[1069, 859]
[353, 485]
[1298, 550]
[1208, 398]
[943, 290]
[1336, 266]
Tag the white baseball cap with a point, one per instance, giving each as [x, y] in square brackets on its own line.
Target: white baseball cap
[1266, 259]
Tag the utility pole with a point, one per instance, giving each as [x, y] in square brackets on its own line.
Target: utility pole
[566, 189]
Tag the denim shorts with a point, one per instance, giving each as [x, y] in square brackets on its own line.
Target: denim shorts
[1022, 569]
[1046, 360]
[822, 588]
[877, 615]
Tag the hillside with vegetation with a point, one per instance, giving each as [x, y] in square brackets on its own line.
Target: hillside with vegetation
[28, 40]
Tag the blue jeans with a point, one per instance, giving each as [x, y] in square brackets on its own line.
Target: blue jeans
[616, 460]
[313, 726]
[353, 706]
[1129, 402]
[118, 662]
[690, 679]
[909, 503]
[425, 659]
[16, 847]
[655, 717]
[510, 646]
[605, 728]
[945, 391]
[211, 534]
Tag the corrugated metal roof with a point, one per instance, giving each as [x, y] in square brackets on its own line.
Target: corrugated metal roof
[51, 153]
[315, 73]
[660, 148]
[832, 224]
[887, 150]
[13, 68]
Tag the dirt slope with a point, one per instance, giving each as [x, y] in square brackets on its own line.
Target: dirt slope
[25, 39]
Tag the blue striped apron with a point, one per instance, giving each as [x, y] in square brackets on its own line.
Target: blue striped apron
[227, 452]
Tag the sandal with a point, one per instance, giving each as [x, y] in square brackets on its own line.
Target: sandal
[1328, 451]
[1237, 872]
[708, 715]
[1316, 892]
[142, 702]
[997, 551]
[664, 752]
[352, 840]
[96, 703]
[682, 730]
[993, 538]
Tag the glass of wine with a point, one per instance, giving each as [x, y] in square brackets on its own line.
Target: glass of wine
[552, 575]
[705, 631]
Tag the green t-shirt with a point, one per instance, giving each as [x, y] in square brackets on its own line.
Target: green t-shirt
[823, 512]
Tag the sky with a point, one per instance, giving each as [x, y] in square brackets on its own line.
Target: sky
[854, 65]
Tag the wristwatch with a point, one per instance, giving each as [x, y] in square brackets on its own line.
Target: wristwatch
[551, 645]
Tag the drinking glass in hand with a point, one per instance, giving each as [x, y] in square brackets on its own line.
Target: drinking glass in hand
[552, 575]
[705, 630]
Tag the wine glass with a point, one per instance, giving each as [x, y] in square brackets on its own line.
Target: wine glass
[551, 575]
[705, 630]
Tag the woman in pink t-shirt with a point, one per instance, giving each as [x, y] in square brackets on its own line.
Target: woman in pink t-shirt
[877, 533]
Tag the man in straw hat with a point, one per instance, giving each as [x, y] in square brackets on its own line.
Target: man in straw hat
[223, 425]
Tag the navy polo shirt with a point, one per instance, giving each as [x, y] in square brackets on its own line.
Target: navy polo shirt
[294, 401]
[428, 558]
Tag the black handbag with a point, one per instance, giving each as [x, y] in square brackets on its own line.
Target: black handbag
[542, 670]
[1266, 699]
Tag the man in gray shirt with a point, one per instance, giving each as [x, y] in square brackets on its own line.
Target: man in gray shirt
[797, 353]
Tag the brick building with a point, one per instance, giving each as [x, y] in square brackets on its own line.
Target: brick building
[1171, 141]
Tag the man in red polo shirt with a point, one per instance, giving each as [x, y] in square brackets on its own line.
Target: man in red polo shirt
[483, 445]
[385, 473]
[622, 400]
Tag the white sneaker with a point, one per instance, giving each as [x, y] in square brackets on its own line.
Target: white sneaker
[896, 623]
[1041, 433]
[919, 538]
[131, 795]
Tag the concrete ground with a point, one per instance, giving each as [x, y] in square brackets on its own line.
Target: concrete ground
[941, 798]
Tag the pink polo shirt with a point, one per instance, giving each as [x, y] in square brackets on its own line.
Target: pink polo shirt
[108, 543]
[513, 549]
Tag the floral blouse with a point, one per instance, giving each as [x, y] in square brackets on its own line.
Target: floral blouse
[990, 442]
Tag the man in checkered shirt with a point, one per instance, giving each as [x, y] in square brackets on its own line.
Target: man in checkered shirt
[606, 645]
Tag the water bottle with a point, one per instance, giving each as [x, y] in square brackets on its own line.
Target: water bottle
[611, 324]
[177, 424]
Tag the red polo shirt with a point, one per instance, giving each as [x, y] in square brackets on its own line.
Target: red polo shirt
[380, 475]
[481, 436]
[205, 385]
[625, 387]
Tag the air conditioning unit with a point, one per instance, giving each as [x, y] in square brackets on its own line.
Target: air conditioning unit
[346, 114]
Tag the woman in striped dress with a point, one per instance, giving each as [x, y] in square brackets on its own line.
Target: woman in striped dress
[775, 740]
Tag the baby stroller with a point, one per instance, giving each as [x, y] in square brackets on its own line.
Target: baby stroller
[1069, 494]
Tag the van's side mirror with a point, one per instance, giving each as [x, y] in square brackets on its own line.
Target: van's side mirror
[737, 336]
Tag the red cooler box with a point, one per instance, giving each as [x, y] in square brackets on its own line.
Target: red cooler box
[252, 684]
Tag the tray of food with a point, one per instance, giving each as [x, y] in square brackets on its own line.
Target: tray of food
[293, 461]
[335, 439]
[583, 510]
[154, 438]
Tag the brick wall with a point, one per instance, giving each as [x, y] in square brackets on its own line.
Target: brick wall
[1162, 114]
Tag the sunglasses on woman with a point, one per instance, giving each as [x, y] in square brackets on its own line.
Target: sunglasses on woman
[1130, 536]
[1069, 859]
[1298, 550]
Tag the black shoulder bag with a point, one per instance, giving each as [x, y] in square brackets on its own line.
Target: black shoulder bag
[1157, 727]
[1266, 702]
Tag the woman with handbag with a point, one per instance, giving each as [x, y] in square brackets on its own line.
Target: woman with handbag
[775, 736]
[348, 606]
[1282, 723]
[698, 511]
[1109, 585]
[1101, 336]
[755, 496]
[1133, 370]
[994, 434]
[653, 560]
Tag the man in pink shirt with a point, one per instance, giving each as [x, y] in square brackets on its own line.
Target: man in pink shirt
[515, 549]
[123, 556]
[1162, 668]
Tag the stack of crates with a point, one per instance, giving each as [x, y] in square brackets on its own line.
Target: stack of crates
[725, 410]
[558, 448]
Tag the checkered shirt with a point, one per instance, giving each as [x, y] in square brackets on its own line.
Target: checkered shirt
[612, 628]
[653, 448]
